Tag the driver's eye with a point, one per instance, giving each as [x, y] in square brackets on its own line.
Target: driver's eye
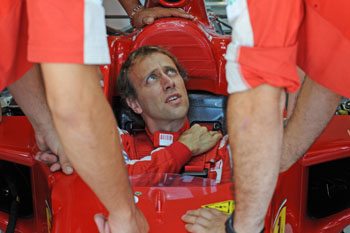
[151, 78]
[171, 72]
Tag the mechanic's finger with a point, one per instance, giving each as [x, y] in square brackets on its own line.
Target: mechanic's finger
[194, 216]
[193, 212]
[196, 220]
[67, 169]
[190, 216]
[171, 12]
[195, 228]
[205, 212]
[147, 20]
[65, 165]
[55, 167]
[46, 157]
[181, 13]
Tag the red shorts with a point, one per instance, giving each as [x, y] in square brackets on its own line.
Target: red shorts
[50, 31]
[271, 37]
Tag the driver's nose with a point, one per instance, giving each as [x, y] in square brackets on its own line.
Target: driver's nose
[167, 82]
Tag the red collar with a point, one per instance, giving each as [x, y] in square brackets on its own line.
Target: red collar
[161, 138]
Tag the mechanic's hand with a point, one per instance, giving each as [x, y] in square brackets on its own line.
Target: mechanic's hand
[199, 140]
[138, 225]
[205, 220]
[149, 15]
[51, 152]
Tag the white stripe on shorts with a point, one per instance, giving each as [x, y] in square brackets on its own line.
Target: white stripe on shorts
[242, 35]
[95, 37]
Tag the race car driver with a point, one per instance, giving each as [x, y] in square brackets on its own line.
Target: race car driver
[152, 84]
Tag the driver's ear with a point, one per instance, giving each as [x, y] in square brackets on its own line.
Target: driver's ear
[134, 105]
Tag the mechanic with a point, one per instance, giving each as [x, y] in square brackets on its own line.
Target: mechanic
[152, 84]
[68, 40]
[261, 67]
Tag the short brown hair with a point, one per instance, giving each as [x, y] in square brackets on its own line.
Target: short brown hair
[124, 84]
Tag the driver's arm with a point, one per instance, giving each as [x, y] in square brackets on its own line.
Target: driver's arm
[194, 141]
[168, 159]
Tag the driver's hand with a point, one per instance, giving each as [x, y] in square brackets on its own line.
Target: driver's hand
[199, 140]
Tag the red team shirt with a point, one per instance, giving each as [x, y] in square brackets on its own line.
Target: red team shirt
[271, 37]
[42, 31]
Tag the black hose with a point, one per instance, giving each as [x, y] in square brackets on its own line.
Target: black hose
[13, 215]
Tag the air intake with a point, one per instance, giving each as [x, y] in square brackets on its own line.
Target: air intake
[173, 3]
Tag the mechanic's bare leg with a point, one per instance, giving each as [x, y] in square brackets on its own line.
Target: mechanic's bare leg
[88, 132]
[256, 140]
[315, 107]
[29, 94]
[292, 97]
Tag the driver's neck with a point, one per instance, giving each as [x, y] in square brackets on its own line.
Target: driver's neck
[164, 125]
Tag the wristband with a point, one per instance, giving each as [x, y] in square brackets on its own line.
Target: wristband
[229, 225]
[133, 13]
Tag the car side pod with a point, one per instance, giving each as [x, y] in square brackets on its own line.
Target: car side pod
[24, 183]
[313, 196]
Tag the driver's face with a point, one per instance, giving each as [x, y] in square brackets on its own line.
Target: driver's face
[161, 92]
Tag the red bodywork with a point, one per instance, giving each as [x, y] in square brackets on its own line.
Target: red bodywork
[64, 204]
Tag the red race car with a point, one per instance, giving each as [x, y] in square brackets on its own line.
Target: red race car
[311, 197]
